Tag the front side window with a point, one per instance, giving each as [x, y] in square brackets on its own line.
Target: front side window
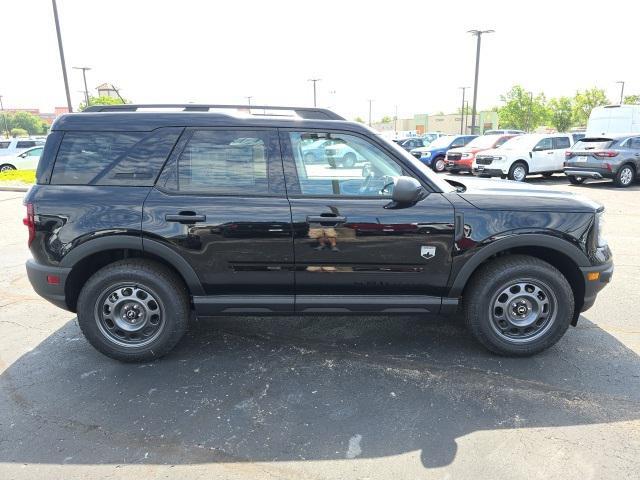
[36, 152]
[353, 167]
[635, 143]
[4, 145]
[226, 162]
[544, 144]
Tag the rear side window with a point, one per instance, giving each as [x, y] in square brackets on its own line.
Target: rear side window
[225, 162]
[113, 158]
[561, 142]
[4, 145]
[26, 144]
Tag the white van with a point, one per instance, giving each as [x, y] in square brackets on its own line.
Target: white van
[614, 119]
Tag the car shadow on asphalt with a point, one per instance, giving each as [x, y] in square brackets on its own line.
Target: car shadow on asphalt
[294, 389]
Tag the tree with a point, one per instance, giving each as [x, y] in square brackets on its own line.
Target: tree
[522, 111]
[586, 101]
[386, 119]
[561, 113]
[359, 119]
[29, 122]
[19, 132]
[632, 100]
[103, 100]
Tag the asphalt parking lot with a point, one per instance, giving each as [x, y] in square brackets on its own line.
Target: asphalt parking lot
[324, 398]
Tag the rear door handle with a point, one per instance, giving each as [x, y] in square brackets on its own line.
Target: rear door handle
[321, 219]
[185, 218]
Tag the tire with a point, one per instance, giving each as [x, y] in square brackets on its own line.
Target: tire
[146, 288]
[518, 172]
[625, 176]
[573, 180]
[438, 164]
[528, 282]
[6, 168]
[547, 174]
[349, 160]
[309, 158]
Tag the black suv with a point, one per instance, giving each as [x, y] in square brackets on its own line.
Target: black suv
[140, 219]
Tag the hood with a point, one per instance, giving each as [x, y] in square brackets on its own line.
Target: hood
[494, 194]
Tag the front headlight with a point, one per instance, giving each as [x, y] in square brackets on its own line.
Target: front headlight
[426, 154]
[601, 239]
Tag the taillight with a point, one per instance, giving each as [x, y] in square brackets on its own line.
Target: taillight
[606, 154]
[30, 223]
[607, 166]
[568, 154]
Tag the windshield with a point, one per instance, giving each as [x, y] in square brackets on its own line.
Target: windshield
[428, 138]
[486, 141]
[521, 141]
[442, 142]
[422, 168]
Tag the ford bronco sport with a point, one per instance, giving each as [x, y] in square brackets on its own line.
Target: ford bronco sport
[145, 215]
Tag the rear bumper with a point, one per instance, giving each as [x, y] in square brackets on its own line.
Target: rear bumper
[54, 293]
[593, 287]
[588, 172]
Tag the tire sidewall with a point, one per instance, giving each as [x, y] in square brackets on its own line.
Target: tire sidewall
[175, 315]
[436, 161]
[619, 176]
[513, 169]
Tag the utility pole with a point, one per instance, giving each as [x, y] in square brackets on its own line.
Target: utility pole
[84, 77]
[4, 117]
[466, 117]
[370, 111]
[395, 121]
[621, 91]
[478, 35]
[61, 50]
[248, 97]
[529, 119]
[462, 110]
[314, 80]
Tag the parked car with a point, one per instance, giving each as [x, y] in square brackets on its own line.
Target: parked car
[461, 159]
[616, 157]
[434, 155]
[504, 132]
[613, 120]
[410, 143]
[13, 146]
[27, 160]
[342, 155]
[314, 150]
[524, 155]
[218, 214]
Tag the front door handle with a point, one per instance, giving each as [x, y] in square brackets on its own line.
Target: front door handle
[550, 153]
[185, 217]
[321, 219]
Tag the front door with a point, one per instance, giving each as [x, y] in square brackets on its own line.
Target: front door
[220, 203]
[347, 242]
[542, 157]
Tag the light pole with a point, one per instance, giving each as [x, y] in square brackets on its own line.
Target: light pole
[466, 116]
[314, 80]
[478, 35]
[249, 97]
[621, 91]
[4, 117]
[529, 119]
[370, 100]
[395, 121]
[61, 50]
[462, 112]
[84, 77]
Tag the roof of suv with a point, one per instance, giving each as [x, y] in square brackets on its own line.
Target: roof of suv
[148, 117]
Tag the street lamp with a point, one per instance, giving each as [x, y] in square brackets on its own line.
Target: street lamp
[314, 80]
[4, 117]
[478, 35]
[249, 97]
[84, 77]
[61, 50]
[621, 91]
[370, 101]
[462, 112]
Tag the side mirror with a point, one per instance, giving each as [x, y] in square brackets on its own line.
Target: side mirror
[407, 191]
[538, 149]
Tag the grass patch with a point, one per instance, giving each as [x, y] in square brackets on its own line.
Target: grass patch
[23, 176]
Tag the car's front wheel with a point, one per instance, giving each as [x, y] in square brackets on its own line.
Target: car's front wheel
[518, 172]
[6, 168]
[438, 164]
[133, 310]
[349, 160]
[518, 305]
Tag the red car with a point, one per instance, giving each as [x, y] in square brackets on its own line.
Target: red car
[461, 159]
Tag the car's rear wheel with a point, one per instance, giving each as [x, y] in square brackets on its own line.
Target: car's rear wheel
[575, 180]
[309, 158]
[133, 310]
[625, 176]
[438, 164]
[518, 305]
[518, 172]
[6, 168]
[349, 160]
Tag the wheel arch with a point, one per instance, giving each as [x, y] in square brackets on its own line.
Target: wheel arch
[89, 257]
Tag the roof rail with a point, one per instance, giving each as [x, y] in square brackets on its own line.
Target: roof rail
[303, 112]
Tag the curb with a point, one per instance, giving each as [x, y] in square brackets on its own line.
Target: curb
[14, 189]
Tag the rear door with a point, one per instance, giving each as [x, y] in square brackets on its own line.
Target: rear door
[348, 243]
[560, 147]
[220, 203]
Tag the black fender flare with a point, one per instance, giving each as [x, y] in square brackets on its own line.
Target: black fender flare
[521, 240]
[131, 242]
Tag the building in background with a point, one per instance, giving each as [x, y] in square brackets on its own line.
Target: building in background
[107, 90]
[446, 123]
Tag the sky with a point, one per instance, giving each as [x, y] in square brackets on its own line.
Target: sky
[409, 54]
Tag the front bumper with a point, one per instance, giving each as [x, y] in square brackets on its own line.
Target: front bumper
[458, 165]
[54, 293]
[488, 172]
[593, 286]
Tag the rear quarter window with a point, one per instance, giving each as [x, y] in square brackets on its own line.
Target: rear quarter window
[113, 158]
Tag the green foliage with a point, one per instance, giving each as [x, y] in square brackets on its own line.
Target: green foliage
[386, 119]
[25, 123]
[561, 113]
[18, 176]
[522, 111]
[586, 101]
[103, 100]
[632, 100]
[19, 132]
[359, 119]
